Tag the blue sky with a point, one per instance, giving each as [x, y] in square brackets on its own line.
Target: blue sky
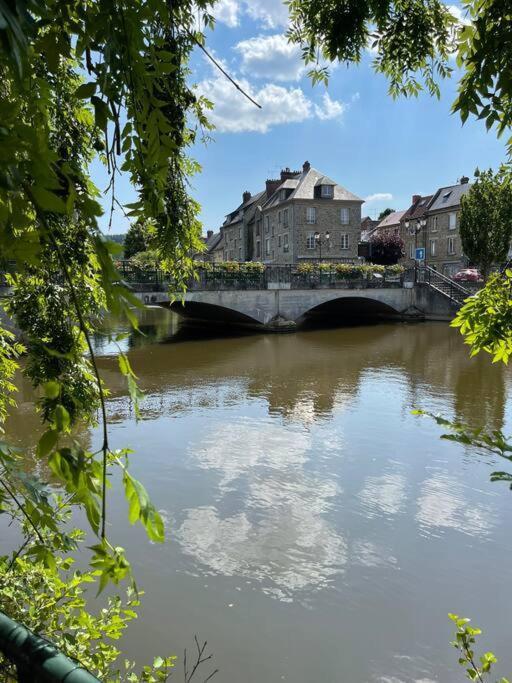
[380, 149]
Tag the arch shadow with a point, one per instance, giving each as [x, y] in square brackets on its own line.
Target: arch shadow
[213, 314]
[348, 311]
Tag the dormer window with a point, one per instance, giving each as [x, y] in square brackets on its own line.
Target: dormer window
[283, 195]
[446, 195]
[326, 191]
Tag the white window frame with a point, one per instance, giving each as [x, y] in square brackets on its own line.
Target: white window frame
[432, 247]
[345, 241]
[310, 241]
[450, 243]
[285, 217]
[279, 241]
[326, 191]
[434, 223]
[452, 225]
[311, 215]
[345, 215]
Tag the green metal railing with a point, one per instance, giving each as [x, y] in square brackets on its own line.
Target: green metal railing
[36, 659]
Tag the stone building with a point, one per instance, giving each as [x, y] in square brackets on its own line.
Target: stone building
[390, 224]
[302, 215]
[413, 227]
[368, 227]
[443, 243]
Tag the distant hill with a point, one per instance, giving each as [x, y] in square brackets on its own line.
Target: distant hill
[116, 238]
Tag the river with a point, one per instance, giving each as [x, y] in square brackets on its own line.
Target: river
[317, 531]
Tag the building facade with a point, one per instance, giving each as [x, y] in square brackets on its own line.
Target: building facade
[300, 216]
[413, 228]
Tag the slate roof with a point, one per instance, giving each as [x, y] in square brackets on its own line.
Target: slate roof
[304, 188]
[236, 215]
[448, 197]
[213, 241]
[392, 220]
[417, 209]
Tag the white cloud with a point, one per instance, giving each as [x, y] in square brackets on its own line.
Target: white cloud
[458, 13]
[233, 113]
[379, 197]
[271, 57]
[330, 109]
[227, 12]
[269, 13]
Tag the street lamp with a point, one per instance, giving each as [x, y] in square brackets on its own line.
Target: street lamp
[319, 241]
[420, 225]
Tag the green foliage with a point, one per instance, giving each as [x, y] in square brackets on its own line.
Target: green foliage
[136, 240]
[350, 271]
[55, 603]
[486, 219]
[485, 319]
[384, 213]
[413, 42]
[465, 638]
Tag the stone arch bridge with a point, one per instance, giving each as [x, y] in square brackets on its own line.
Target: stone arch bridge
[281, 304]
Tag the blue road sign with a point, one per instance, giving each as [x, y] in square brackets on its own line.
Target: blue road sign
[420, 254]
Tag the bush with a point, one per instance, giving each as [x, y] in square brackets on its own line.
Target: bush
[386, 250]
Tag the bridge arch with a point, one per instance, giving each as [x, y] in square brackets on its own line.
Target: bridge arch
[213, 313]
[340, 309]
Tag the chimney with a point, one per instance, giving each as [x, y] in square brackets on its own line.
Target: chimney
[209, 233]
[416, 198]
[464, 180]
[271, 186]
[306, 166]
[246, 196]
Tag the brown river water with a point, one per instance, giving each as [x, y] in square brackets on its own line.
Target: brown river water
[317, 531]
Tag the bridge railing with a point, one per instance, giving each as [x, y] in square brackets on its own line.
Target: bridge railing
[246, 276]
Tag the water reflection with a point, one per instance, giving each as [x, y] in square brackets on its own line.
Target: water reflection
[291, 469]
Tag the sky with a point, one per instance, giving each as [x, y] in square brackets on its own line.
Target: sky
[381, 149]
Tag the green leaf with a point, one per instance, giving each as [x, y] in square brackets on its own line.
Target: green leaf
[51, 389]
[47, 201]
[47, 443]
[85, 91]
[140, 508]
[61, 418]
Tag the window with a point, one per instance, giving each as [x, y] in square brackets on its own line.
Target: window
[285, 243]
[267, 247]
[446, 195]
[258, 228]
[326, 191]
[240, 254]
[396, 231]
[345, 241]
[239, 233]
[284, 194]
[311, 214]
[310, 240]
[451, 245]
[273, 230]
[434, 224]
[345, 216]
[267, 224]
[279, 217]
[433, 247]
[279, 241]
[285, 217]
[235, 243]
[411, 250]
[453, 221]
[258, 249]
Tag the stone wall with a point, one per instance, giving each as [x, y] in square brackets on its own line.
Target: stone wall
[327, 219]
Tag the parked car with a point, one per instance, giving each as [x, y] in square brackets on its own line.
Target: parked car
[468, 275]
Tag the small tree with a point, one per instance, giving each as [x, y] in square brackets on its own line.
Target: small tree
[385, 213]
[386, 250]
[136, 240]
[486, 219]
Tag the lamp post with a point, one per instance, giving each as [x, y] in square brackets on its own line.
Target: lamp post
[319, 241]
[420, 225]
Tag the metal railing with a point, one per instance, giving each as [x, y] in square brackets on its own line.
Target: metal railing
[287, 276]
[443, 284]
[36, 659]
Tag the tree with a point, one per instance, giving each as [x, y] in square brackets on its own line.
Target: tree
[135, 240]
[413, 43]
[385, 213]
[486, 220]
[386, 250]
